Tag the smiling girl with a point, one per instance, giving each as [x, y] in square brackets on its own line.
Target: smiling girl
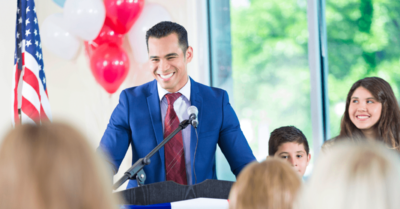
[372, 112]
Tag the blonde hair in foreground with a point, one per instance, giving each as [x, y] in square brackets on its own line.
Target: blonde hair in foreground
[271, 184]
[51, 166]
[354, 175]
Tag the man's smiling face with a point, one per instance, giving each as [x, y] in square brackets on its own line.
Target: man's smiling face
[168, 62]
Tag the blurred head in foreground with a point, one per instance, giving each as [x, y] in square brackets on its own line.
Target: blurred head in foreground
[271, 184]
[354, 175]
[290, 144]
[51, 166]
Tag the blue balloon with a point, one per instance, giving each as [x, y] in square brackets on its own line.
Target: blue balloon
[60, 3]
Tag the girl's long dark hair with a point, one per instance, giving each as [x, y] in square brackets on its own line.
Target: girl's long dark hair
[389, 123]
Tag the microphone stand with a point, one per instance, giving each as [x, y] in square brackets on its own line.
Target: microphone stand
[136, 170]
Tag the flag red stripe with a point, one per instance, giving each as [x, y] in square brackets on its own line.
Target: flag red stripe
[43, 116]
[29, 110]
[32, 80]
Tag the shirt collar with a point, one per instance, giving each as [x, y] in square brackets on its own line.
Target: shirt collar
[185, 91]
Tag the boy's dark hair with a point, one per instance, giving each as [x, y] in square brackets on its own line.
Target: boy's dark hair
[286, 134]
[165, 28]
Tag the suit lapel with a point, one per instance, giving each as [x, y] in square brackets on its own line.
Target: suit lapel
[196, 100]
[153, 102]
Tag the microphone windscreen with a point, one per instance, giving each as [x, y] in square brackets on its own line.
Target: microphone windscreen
[192, 110]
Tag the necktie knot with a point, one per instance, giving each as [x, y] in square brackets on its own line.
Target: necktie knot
[171, 98]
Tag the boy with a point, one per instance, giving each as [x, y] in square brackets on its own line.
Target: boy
[289, 143]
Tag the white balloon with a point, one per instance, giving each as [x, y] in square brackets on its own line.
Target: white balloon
[151, 15]
[57, 39]
[84, 18]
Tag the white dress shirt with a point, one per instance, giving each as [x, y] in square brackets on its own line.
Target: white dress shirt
[180, 106]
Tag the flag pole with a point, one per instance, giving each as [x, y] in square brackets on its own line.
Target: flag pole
[19, 114]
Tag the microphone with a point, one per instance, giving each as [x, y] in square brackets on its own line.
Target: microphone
[192, 112]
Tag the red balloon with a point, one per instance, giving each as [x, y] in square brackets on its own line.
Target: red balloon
[106, 35]
[121, 14]
[109, 64]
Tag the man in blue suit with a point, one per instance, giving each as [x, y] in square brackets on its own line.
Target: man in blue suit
[146, 114]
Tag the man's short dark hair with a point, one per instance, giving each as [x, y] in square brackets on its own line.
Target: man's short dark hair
[165, 28]
[286, 134]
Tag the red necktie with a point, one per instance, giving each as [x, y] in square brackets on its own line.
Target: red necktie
[175, 168]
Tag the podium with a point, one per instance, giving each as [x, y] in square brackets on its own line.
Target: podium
[169, 191]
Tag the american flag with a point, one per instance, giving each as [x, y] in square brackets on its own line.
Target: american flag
[29, 81]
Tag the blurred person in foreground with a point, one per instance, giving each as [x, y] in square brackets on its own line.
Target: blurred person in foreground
[51, 166]
[372, 112]
[290, 144]
[354, 175]
[271, 184]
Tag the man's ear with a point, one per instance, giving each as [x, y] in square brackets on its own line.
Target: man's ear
[308, 158]
[189, 54]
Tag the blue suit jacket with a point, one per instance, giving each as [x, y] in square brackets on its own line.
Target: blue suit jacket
[137, 121]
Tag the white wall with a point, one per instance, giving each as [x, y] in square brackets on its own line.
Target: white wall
[74, 95]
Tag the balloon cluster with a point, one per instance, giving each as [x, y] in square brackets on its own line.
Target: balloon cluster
[102, 26]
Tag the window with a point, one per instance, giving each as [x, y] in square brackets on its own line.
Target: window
[269, 79]
[363, 40]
